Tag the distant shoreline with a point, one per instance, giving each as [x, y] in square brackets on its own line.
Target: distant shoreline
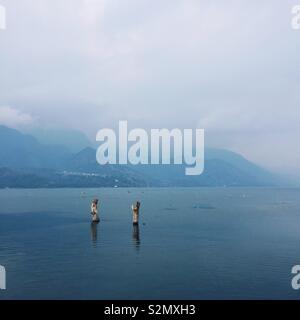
[159, 187]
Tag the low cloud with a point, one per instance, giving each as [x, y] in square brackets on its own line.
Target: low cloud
[14, 118]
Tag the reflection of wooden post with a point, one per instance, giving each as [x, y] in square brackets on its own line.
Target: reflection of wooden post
[136, 235]
[135, 212]
[94, 211]
[94, 231]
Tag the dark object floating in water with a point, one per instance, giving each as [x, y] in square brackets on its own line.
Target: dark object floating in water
[203, 206]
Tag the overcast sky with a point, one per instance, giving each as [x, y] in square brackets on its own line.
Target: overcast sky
[228, 66]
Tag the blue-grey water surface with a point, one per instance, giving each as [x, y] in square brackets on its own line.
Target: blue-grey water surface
[198, 243]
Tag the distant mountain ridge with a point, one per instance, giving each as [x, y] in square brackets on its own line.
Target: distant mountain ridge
[22, 151]
[25, 163]
[74, 140]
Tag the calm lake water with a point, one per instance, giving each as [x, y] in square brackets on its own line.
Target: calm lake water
[200, 243]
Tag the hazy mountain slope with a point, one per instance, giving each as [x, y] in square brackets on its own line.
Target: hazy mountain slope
[222, 168]
[234, 171]
[23, 151]
[74, 140]
[24, 161]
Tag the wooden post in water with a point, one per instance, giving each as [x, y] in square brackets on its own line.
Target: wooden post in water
[136, 212]
[94, 211]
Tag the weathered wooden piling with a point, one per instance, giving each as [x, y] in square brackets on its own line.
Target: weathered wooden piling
[94, 211]
[136, 212]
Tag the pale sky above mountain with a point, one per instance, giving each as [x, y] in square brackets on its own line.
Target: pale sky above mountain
[230, 67]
